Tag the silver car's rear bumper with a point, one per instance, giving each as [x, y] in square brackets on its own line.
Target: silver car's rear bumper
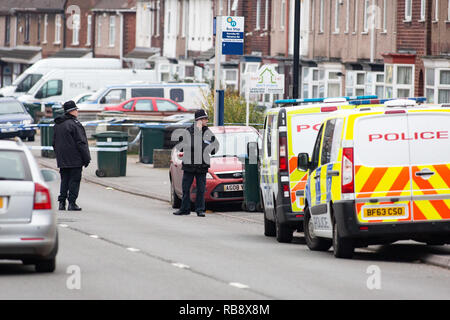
[36, 239]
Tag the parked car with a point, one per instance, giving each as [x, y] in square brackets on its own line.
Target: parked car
[147, 104]
[12, 112]
[224, 180]
[190, 95]
[82, 97]
[27, 219]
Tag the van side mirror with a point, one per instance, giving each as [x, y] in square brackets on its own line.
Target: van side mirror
[303, 163]
[103, 100]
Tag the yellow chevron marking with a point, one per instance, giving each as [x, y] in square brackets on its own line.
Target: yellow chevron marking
[388, 180]
[361, 177]
[428, 210]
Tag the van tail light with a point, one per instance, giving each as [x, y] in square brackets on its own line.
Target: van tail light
[283, 166]
[348, 185]
[42, 200]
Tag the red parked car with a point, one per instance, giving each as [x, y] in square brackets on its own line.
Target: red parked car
[224, 180]
[148, 104]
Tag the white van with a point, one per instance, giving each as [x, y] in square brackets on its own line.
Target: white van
[188, 95]
[34, 73]
[62, 85]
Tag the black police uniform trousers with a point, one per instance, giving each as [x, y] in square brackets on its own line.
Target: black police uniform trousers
[188, 179]
[70, 184]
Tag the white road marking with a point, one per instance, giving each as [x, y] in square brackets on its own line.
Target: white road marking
[181, 265]
[109, 188]
[94, 236]
[133, 249]
[238, 285]
[63, 225]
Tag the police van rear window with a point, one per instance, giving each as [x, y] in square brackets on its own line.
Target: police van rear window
[429, 135]
[381, 141]
[304, 129]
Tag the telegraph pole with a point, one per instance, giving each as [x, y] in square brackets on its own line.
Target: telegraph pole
[296, 80]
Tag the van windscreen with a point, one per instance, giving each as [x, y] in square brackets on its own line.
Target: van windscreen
[147, 92]
[304, 128]
[430, 138]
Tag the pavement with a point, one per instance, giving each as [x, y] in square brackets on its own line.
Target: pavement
[146, 181]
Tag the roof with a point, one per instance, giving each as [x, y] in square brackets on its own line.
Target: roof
[142, 53]
[26, 55]
[127, 5]
[7, 6]
[72, 53]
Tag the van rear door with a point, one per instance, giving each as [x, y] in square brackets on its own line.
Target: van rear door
[382, 171]
[429, 135]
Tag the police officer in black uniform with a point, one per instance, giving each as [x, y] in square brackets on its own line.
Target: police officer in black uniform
[196, 163]
[72, 153]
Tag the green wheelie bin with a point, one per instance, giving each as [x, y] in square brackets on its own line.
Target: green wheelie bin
[112, 156]
[152, 137]
[252, 201]
[46, 127]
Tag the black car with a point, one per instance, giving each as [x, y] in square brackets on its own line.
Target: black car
[13, 113]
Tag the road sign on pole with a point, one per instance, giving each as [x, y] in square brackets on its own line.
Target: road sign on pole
[232, 35]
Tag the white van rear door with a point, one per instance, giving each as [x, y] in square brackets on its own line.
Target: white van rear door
[382, 171]
[430, 164]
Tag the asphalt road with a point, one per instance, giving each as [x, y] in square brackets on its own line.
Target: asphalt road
[123, 246]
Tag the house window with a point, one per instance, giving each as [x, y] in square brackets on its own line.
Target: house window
[27, 28]
[347, 21]
[336, 16]
[436, 10]
[422, 10]
[283, 14]
[99, 31]
[258, 15]
[158, 12]
[437, 85]
[408, 10]
[355, 26]
[112, 31]
[448, 13]
[321, 16]
[399, 80]
[76, 29]
[57, 29]
[39, 22]
[366, 15]
[45, 28]
[385, 8]
[89, 30]
[7, 30]
[266, 17]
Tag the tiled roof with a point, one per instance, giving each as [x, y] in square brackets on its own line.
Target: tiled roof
[115, 4]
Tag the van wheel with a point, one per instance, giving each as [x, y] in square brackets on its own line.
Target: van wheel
[175, 201]
[342, 247]
[285, 234]
[314, 243]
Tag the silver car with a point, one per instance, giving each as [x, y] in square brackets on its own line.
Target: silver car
[28, 229]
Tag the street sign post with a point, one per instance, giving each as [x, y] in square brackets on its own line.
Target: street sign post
[229, 41]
